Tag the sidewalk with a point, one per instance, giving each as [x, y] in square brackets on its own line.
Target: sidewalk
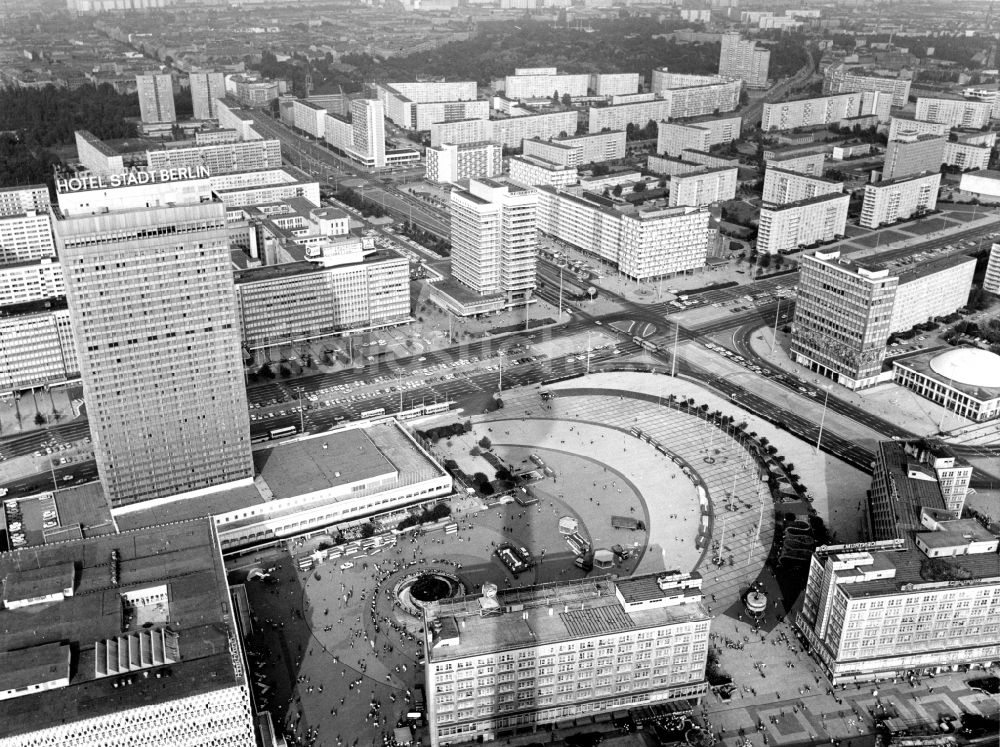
[836, 488]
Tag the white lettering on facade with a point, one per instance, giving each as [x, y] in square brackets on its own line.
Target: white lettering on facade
[133, 178]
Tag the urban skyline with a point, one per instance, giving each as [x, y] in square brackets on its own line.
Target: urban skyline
[454, 374]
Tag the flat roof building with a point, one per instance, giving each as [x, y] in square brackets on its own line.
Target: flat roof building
[509, 132]
[954, 112]
[810, 164]
[96, 156]
[546, 655]
[530, 171]
[156, 98]
[782, 186]
[363, 137]
[921, 594]
[703, 187]
[614, 84]
[448, 163]
[303, 300]
[122, 639]
[909, 155]
[820, 111]
[578, 150]
[786, 228]
[678, 97]
[841, 78]
[991, 280]
[165, 393]
[306, 484]
[842, 316]
[743, 59]
[898, 199]
[672, 138]
[967, 156]
[537, 83]
[206, 89]
[494, 239]
[965, 380]
[929, 289]
[225, 158]
[20, 200]
[36, 346]
[643, 243]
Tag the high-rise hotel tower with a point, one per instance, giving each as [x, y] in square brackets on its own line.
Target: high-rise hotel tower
[152, 302]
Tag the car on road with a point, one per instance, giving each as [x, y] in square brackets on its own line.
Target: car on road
[345, 566]
[421, 359]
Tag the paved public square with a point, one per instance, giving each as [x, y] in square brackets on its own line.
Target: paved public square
[336, 656]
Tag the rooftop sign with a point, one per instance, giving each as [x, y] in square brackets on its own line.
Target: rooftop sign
[131, 178]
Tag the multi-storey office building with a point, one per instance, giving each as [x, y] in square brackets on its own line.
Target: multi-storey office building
[743, 59]
[144, 654]
[909, 155]
[966, 156]
[26, 236]
[819, 111]
[156, 97]
[494, 239]
[96, 156]
[449, 162]
[152, 303]
[672, 138]
[206, 88]
[304, 300]
[643, 243]
[954, 112]
[19, 200]
[991, 280]
[226, 158]
[579, 150]
[782, 187]
[546, 655]
[841, 78]
[36, 346]
[842, 318]
[508, 132]
[703, 187]
[785, 228]
[899, 199]
[31, 280]
[363, 137]
[810, 164]
[530, 171]
[614, 84]
[935, 287]
[899, 127]
[538, 83]
[922, 595]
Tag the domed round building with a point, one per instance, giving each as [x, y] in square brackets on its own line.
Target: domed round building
[966, 380]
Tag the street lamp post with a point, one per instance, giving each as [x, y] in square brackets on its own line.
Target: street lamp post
[774, 337]
[822, 419]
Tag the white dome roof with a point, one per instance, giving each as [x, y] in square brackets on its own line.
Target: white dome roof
[969, 366]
